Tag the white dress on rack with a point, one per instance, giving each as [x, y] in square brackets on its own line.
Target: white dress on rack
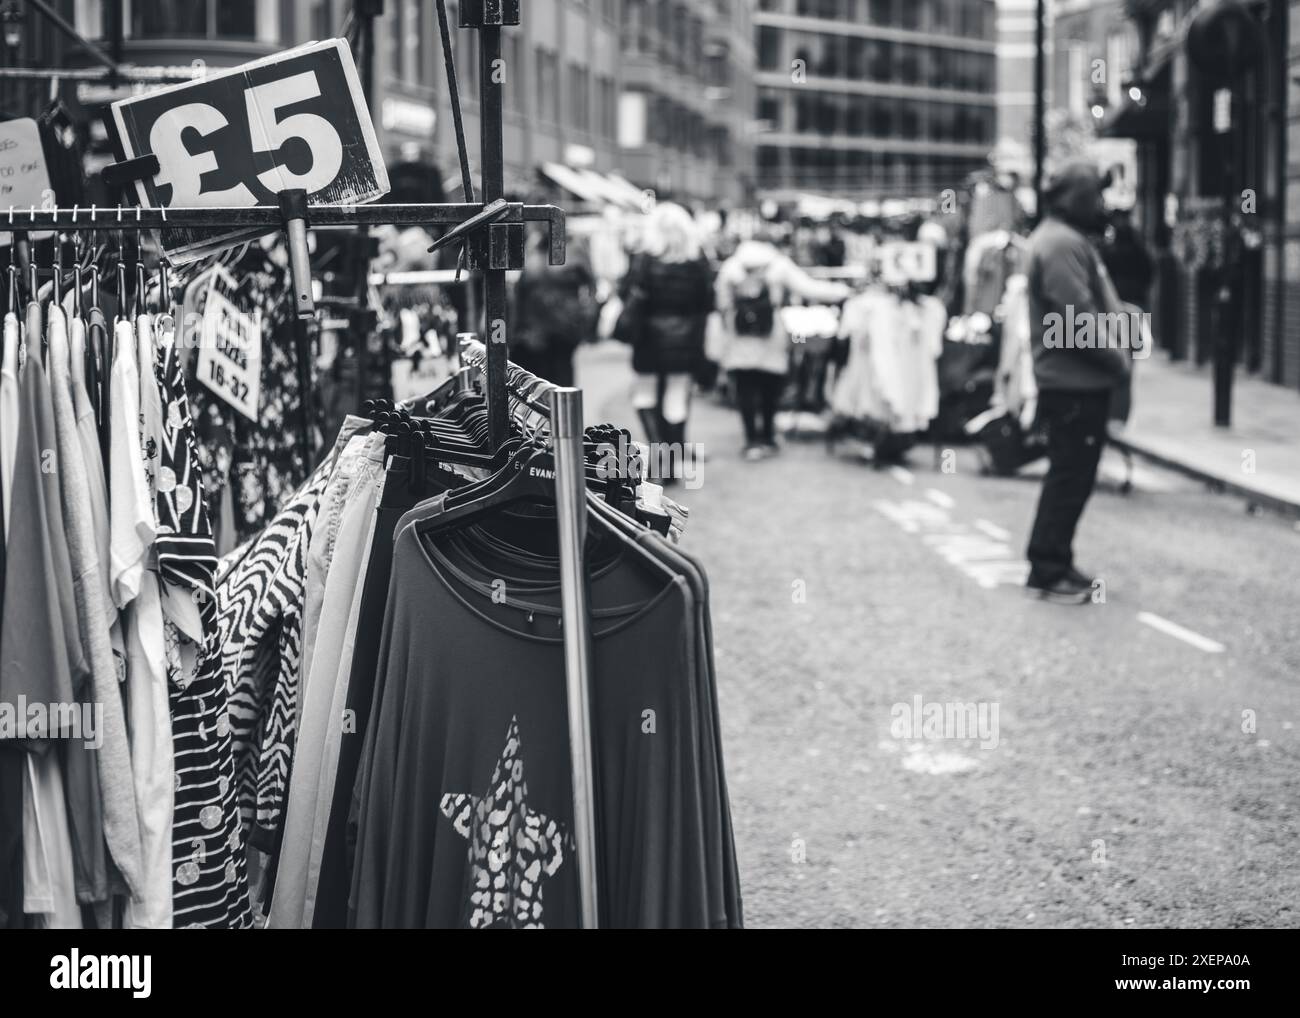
[892, 374]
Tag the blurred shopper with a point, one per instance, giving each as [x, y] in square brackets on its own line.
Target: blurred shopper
[1067, 282]
[555, 309]
[753, 285]
[1132, 270]
[668, 290]
[1127, 260]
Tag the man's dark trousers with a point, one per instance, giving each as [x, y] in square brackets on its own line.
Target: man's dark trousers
[1076, 433]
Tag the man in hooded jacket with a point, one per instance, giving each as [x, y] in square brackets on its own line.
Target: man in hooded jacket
[1068, 284]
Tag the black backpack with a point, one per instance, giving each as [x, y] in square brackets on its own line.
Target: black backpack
[755, 312]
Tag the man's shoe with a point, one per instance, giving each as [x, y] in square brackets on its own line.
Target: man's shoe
[1078, 577]
[754, 453]
[1063, 591]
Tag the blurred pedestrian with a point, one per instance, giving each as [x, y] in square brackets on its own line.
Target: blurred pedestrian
[555, 310]
[753, 285]
[1131, 269]
[668, 291]
[1067, 284]
[1127, 259]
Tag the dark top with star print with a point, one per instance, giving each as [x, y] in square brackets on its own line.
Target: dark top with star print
[466, 811]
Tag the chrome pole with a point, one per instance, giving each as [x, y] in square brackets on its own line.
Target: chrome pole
[571, 517]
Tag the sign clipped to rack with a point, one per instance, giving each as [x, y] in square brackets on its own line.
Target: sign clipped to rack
[238, 138]
[230, 347]
[24, 176]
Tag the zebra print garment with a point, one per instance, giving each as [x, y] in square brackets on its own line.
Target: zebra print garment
[187, 554]
[209, 875]
[258, 647]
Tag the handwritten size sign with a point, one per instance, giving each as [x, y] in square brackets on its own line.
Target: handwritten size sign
[237, 138]
[230, 350]
[24, 177]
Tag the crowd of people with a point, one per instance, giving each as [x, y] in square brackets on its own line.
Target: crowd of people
[701, 305]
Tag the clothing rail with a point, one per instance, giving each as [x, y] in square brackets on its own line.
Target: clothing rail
[564, 407]
[269, 217]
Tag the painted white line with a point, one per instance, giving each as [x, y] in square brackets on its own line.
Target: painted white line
[992, 530]
[902, 475]
[1178, 632]
[939, 498]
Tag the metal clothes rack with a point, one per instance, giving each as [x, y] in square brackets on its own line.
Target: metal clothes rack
[492, 231]
[564, 407]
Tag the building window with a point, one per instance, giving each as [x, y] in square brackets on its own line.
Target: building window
[414, 32]
[201, 19]
[769, 49]
[516, 74]
[770, 107]
[89, 18]
[607, 111]
[633, 114]
[320, 18]
[580, 97]
[548, 85]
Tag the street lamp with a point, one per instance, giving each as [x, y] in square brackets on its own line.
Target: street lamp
[11, 16]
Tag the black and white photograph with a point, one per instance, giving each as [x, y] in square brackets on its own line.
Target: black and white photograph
[651, 465]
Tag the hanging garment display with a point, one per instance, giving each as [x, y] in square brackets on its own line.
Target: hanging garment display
[891, 376]
[254, 464]
[130, 822]
[346, 570]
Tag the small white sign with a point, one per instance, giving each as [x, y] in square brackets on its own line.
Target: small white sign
[230, 351]
[1222, 110]
[24, 177]
[907, 262]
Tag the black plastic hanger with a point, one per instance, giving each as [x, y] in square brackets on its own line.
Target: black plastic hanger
[529, 476]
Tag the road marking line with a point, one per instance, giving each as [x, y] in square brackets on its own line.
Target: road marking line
[992, 530]
[902, 475]
[939, 498]
[1186, 635]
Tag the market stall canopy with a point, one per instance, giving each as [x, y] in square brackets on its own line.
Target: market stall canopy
[592, 187]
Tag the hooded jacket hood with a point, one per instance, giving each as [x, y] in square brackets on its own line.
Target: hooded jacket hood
[1074, 195]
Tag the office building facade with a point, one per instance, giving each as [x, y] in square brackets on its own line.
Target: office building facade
[874, 98]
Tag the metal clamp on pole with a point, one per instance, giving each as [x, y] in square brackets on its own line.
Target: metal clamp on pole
[571, 517]
[130, 170]
[293, 210]
[492, 212]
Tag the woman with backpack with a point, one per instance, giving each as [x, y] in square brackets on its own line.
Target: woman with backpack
[667, 297]
[753, 285]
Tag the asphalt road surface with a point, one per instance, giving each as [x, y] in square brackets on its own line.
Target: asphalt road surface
[1131, 762]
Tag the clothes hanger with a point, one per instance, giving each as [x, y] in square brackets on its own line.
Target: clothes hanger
[529, 476]
[140, 304]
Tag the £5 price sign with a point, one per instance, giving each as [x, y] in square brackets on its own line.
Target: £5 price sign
[237, 138]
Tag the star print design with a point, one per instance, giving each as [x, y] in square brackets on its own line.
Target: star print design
[512, 848]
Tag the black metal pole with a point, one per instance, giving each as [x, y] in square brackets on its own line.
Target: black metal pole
[1225, 329]
[366, 12]
[1278, 86]
[492, 157]
[1040, 105]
